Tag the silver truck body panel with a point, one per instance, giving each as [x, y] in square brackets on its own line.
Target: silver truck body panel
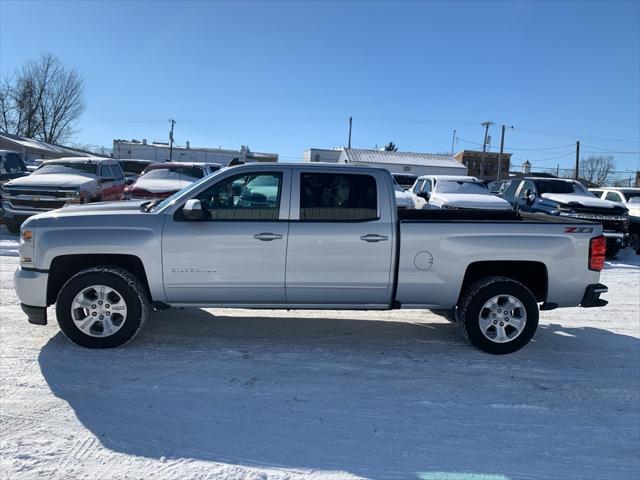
[310, 264]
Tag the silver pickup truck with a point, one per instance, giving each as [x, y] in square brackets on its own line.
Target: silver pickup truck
[302, 237]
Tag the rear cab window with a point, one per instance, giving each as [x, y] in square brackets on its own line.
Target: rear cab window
[338, 197]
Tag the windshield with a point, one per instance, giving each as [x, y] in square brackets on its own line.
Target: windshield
[561, 186]
[461, 186]
[175, 173]
[635, 199]
[133, 167]
[66, 167]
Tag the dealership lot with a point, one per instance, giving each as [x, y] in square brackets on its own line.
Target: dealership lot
[323, 394]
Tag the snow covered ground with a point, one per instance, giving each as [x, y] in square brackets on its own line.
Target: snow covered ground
[217, 394]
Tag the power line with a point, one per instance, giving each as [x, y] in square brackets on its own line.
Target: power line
[578, 136]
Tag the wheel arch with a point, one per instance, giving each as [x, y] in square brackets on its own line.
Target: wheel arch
[531, 274]
[64, 267]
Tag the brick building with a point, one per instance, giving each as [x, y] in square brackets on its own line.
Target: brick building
[471, 159]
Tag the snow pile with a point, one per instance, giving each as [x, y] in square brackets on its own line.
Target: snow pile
[240, 394]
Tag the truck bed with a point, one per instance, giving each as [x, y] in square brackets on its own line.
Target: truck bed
[437, 215]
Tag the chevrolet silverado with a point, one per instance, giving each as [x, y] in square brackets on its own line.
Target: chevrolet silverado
[294, 236]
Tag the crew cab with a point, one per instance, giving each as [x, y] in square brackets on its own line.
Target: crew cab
[308, 236]
[455, 192]
[60, 182]
[162, 179]
[570, 199]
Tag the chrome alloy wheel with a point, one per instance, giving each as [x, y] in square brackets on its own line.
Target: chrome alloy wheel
[502, 318]
[99, 311]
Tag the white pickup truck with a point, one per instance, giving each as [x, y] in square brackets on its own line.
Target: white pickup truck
[302, 237]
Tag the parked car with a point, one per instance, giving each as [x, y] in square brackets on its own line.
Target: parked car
[11, 166]
[570, 199]
[455, 192]
[630, 198]
[133, 168]
[405, 180]
[163, 179]
[327, 236]
[61, 182]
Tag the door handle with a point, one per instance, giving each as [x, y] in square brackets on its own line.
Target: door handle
[267, 236]
[373, 237]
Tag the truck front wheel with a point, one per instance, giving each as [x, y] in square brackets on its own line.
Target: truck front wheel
[499, 315]
[102, 307]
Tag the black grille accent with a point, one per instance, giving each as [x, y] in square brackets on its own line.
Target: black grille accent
[38, 204]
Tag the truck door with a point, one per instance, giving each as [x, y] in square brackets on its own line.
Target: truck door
[341, 238]
[236, 254]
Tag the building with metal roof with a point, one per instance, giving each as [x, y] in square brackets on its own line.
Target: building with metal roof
[404, 162]
[33, 150]
[160, 152]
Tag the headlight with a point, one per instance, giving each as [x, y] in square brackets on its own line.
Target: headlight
[74, 197]
[26, 245]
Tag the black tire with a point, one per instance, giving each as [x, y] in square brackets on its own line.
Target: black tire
[13, 226]
[128, 286]
[472, 303]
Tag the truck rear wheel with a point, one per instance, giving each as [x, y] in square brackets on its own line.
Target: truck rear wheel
[102, 307]
[499, 315]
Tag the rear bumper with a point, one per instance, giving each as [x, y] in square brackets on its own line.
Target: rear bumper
[592, 294]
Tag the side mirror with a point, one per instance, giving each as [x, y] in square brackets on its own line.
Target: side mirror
[425, 195]
[192, 210]
[530, 198]
[130, 181]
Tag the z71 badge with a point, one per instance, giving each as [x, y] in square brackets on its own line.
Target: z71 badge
[578, 229]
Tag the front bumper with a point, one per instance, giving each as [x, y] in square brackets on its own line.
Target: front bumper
[31, 286]
[35, 315]
[592, 294]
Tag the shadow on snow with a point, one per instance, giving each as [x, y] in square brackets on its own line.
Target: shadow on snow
[372, 398]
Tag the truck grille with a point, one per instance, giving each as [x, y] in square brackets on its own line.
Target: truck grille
[48, 204]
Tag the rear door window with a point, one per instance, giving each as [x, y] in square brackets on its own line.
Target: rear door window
[333, 197]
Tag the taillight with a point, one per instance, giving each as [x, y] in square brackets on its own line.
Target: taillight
[597, 253]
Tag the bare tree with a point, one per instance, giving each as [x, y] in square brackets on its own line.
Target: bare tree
[42, 99]
[596, 169]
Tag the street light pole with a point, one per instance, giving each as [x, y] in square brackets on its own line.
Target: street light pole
[486, 126]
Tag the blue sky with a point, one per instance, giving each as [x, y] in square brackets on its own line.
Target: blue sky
[284, 76]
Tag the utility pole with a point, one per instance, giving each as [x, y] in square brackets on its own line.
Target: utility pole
[350, 123]
[501, 152]
[173, 122]
[453, 141]
[576, 173]
[486, 126]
